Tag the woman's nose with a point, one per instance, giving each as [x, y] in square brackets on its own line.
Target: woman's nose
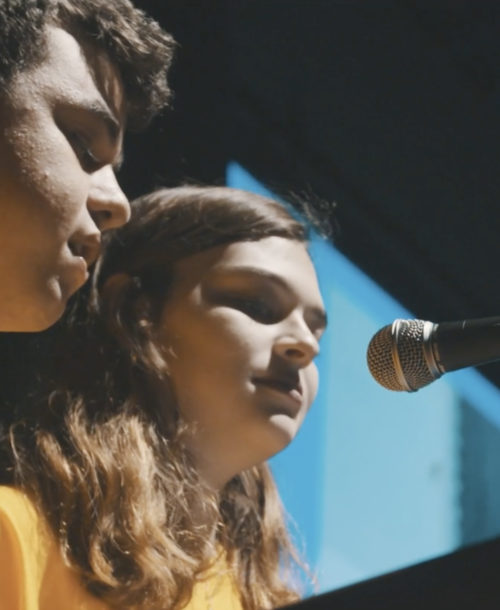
[297, 345]
[107, 203]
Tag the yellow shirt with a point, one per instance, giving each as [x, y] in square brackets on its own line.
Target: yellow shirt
[33, 575]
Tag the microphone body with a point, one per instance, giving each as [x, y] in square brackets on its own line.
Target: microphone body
[409, 354]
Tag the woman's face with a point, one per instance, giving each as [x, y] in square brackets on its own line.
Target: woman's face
[239, 333]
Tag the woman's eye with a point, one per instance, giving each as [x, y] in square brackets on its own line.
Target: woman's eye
[256, 308]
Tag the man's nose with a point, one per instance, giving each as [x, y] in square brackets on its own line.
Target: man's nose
[107, 203]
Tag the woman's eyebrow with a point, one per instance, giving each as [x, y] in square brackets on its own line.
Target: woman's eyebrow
[253, 271]
[320, 317]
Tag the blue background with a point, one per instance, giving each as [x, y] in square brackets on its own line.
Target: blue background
[372, 481]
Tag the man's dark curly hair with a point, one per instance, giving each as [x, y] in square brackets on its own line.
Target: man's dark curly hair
[140, 49]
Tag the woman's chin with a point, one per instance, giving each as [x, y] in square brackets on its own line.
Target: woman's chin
[283, 430]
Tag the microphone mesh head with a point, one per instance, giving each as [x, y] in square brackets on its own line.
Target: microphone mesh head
[410, 340]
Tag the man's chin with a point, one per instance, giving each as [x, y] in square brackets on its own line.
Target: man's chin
[38, 323]
[35, 316]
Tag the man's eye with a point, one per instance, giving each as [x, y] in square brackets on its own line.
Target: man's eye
[88, 160]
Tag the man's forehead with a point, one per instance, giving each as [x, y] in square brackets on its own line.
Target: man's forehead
[85, 73]
[107, 80]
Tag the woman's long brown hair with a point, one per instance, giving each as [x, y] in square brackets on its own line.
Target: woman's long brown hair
[103, 455]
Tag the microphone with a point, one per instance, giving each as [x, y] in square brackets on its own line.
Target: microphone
[409, 354]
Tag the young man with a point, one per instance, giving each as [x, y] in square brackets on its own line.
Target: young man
[73, 75]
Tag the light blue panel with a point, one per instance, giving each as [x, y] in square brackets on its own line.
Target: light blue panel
[238, 177]
[372, 478]
[391, 485]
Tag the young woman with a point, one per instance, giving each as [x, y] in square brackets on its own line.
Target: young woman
[143, 484]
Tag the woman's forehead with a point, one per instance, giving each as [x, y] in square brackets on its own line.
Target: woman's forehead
[273, 253]
[278, 258]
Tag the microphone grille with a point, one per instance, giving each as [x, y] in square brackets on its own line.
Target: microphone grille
[412, 366]
[380, 362]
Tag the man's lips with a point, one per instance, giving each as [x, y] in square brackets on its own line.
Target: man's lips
[87, 248]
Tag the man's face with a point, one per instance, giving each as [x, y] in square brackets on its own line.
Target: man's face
[61, 129]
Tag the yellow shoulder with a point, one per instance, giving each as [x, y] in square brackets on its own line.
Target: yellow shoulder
[15, 505]
[23, 550]
[215, 589]
[33, 574]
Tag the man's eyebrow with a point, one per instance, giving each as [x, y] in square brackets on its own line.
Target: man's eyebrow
[318, 313]
[102, 112]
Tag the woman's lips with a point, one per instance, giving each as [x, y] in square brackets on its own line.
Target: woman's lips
[292, 391]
